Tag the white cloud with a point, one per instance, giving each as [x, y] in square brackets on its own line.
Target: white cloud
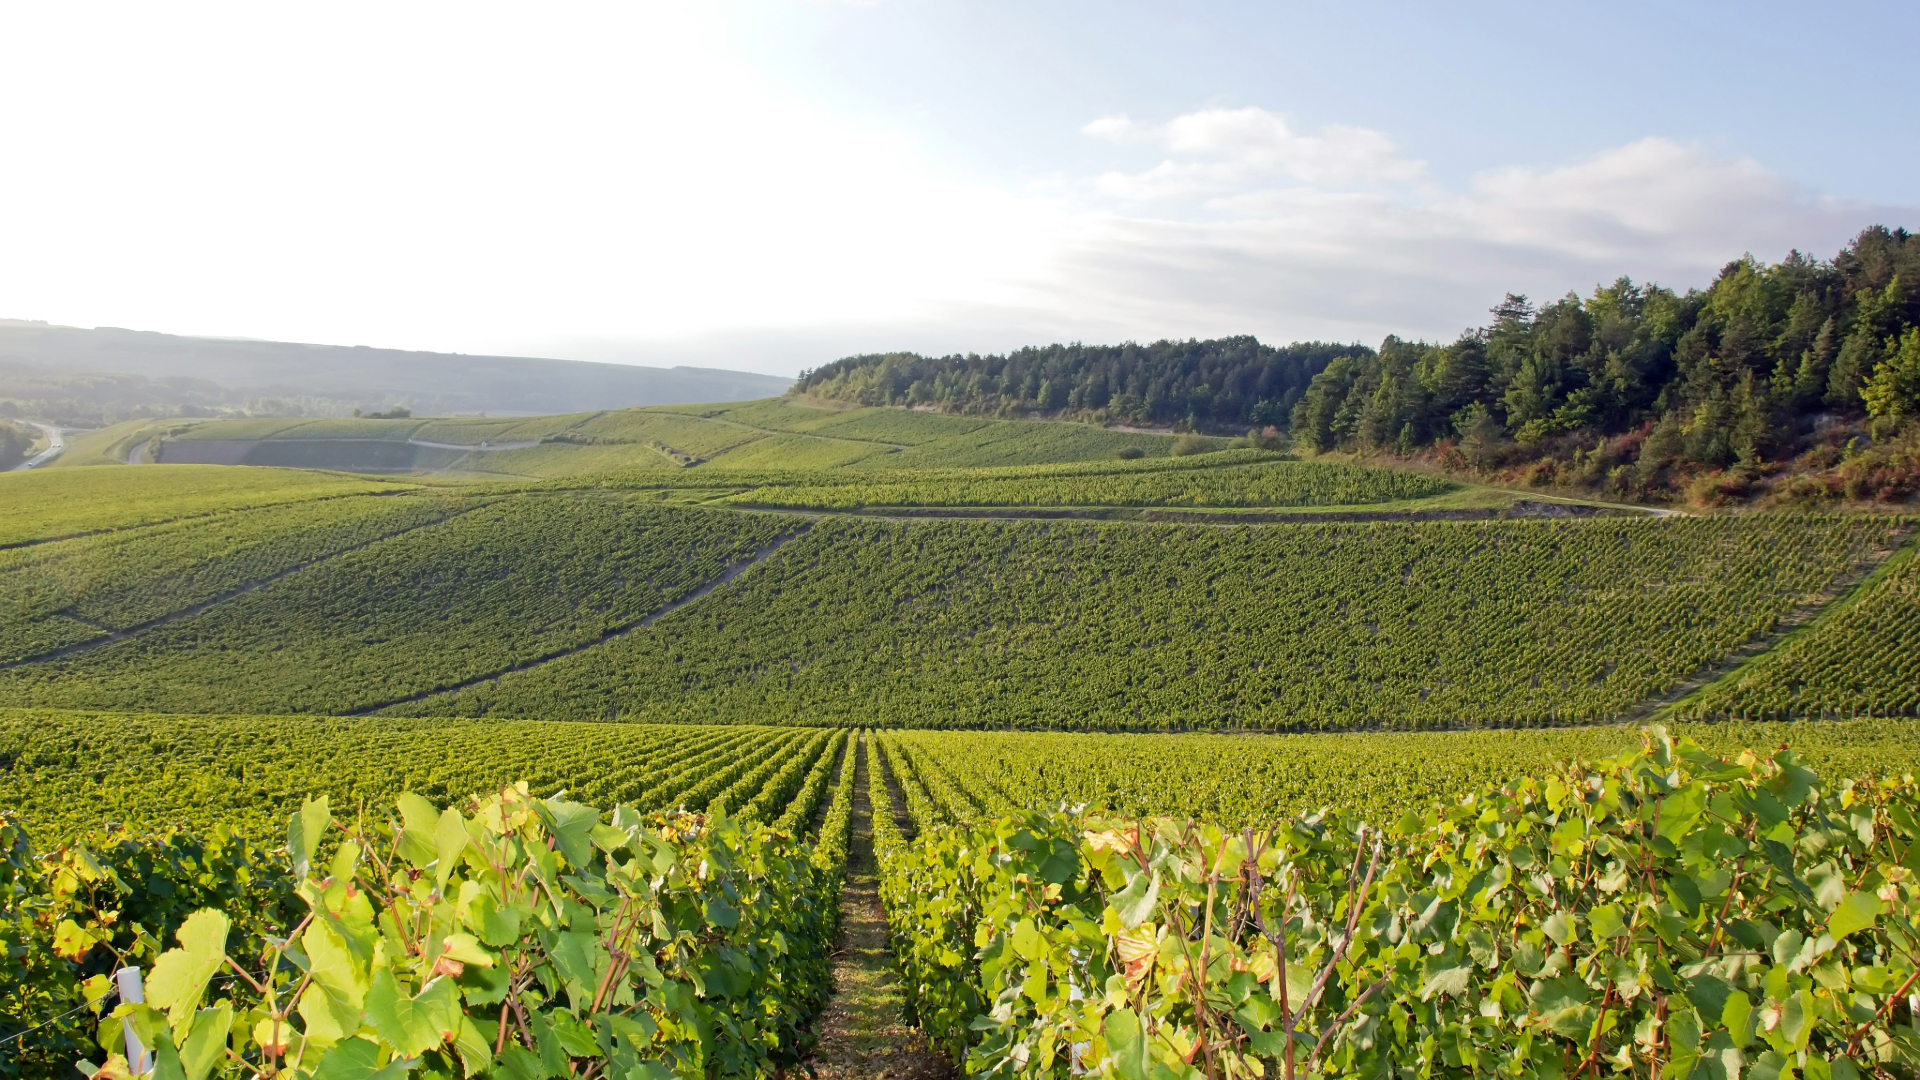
[1340, 235]
[1219, 150]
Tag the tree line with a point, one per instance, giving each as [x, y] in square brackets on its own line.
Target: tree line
[1636, 389]
[1644, 382]
[1227, 383]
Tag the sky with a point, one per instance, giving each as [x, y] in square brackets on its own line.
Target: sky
[767, 185]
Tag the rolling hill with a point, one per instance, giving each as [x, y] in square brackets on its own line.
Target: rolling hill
[89, 378]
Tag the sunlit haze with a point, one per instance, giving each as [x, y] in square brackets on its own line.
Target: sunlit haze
[767, 186]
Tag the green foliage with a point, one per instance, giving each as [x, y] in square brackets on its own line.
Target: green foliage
[1230, 382]
[1862, 657]
[1666, 910]
[524, 937]
[51, 505]
[1281, 483]
[1893, 393]
[831, 842]
[70, 917]
[505, 584]
[801, 806]
[1651, 383]
[1092, 626]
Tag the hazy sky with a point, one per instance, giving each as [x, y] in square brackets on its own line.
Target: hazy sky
[767, 186]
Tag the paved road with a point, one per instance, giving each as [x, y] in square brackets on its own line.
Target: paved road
[55, 444]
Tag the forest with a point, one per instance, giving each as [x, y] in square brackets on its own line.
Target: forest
[1226, 384]
[1792, 379]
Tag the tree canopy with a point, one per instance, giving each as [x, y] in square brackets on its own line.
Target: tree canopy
[1633, 388]
[1225, 383]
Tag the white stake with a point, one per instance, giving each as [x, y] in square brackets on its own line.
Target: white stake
[139, 1059]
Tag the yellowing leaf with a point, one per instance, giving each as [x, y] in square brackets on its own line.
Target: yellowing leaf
[466, 949]
[70, 941]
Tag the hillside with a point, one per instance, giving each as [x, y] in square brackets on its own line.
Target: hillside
[92, 378]
[764, 436]
[1232, 589]
[1794, 381]
[225, 689]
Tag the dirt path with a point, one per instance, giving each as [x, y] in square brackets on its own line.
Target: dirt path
[544, 659]
[111, 636]
[1841, 592]
[862, 1033]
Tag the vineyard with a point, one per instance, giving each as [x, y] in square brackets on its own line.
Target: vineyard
[65, 593]
[1091, 626]
[579, 758]
[1665, 912]
[1864, 656]
[753, 437]
[954, 777]
[729, 965]
[502, 584]
[1289, 483]
[45, 506]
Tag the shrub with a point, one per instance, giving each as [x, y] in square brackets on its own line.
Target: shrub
[1190, 444]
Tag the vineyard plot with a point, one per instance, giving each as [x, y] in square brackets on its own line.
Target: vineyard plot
[1276, 483]
[1109, 626]
[73, 592]
[1863, 657]
[51, 504]
[499, 586]
[67, 774]
[955, 776]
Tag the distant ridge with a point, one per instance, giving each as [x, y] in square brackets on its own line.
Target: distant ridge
[112, 370]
